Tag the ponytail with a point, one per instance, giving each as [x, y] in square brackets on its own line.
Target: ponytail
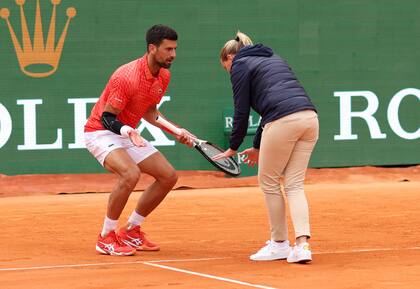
[234, 45]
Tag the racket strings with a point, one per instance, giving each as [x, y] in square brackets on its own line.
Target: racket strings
[228, 164]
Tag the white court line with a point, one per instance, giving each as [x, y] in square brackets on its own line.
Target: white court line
[262, 286]
[208, 276]
[186, 260]
[364, 250]
[189, 260]
[104, 264]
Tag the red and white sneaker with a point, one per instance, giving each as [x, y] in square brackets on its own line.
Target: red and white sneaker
[136, 238]
[110, 245]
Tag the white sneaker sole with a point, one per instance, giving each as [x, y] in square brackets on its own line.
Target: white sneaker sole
[103, 252]
[141, 247]
[273, 257]
[301, 260]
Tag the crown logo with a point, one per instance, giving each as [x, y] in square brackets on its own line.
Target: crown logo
[38, 52]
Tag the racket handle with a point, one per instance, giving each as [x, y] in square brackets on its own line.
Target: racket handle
[168, 125]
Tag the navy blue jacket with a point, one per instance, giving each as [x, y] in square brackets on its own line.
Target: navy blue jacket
[264, 82]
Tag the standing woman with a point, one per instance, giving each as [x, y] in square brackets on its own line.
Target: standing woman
[283, 142]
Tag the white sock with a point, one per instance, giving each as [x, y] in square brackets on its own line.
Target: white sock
[109, 225]
[135, 220]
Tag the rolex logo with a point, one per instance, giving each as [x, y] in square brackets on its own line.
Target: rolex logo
[38, 57]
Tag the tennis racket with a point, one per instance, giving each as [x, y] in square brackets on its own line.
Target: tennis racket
[207, 150]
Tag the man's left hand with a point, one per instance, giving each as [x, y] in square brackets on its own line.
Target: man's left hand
[186, 137]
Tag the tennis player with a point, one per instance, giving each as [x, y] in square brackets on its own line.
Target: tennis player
[132, 93]
[283, 143]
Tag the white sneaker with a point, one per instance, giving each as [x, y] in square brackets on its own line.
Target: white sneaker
[300, 254]
[272, 251]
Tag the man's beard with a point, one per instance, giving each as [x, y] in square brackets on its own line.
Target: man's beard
[164, 64]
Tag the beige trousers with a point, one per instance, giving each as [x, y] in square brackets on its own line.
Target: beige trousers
[286, 147]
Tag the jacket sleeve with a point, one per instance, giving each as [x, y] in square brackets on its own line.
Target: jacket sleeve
[257, 138]
[240, 78]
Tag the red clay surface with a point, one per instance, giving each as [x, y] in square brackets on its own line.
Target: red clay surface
[99, 183]
[365, 227]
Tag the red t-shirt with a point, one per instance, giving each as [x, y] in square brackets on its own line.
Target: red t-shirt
[131, 89]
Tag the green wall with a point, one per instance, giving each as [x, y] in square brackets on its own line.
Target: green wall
[347, 54]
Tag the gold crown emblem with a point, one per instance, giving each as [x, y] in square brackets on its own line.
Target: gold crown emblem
[34, 53]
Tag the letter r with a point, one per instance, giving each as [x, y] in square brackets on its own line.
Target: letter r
[346, 114]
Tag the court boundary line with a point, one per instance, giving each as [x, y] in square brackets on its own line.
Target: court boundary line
[367, 250]
[103, 264]
[154, 263]
[229, 280]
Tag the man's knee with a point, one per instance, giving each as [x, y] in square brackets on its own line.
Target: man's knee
[130, 177]
[170, 178]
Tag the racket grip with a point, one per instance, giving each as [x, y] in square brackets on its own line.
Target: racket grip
[168, 125]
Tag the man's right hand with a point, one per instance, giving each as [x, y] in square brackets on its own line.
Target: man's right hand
[133, 135]
[135, 138]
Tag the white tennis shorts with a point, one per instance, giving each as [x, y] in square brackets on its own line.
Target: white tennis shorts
[100, 143]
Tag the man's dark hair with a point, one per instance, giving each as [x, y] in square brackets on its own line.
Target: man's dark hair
[157, 33]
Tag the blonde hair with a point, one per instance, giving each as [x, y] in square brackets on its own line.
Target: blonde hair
[234, 45]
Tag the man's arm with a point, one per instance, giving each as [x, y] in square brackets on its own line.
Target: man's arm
[151, 115]
[109, 119]
[110, 122]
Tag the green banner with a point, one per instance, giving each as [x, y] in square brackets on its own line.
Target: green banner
[358, 61]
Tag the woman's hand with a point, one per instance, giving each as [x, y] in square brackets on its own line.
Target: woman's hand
[251, 156]
[226, 154]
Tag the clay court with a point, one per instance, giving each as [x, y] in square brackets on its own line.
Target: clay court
[364, 223]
